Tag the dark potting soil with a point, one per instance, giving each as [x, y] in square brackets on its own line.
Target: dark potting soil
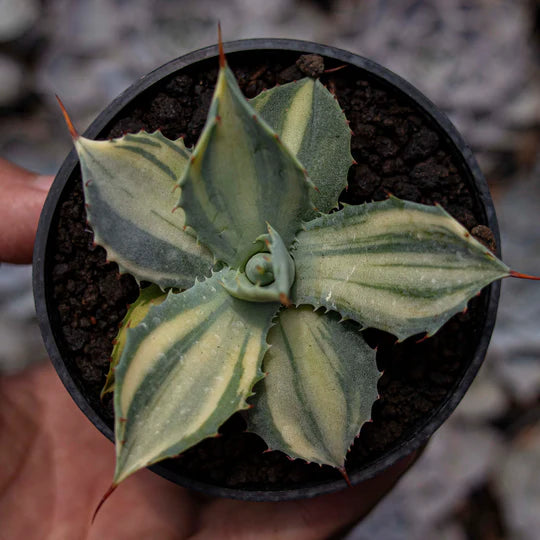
[398, 150]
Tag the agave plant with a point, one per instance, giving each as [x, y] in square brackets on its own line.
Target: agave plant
[254, 269]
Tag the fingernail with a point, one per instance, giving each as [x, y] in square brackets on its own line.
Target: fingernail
[43, 182]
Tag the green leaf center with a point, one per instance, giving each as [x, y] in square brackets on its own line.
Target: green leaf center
[260, 270]
[268, 276]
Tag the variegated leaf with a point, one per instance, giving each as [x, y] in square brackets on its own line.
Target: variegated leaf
[320, 386]
[149, 296]
[398, 266]
[186, 368]
[241, 176]
[128, 189]
[309, 120]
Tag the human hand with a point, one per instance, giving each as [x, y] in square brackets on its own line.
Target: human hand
[56, 465]
[22, 195]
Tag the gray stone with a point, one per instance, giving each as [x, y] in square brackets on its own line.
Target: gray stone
[486, 399]
[458, 458]
[517, 484]
[466, 56]
[12, 80]
[516, 342]
[18, 16]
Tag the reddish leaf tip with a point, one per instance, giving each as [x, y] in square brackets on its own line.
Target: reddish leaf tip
[333, 70]
[284, 299]
[103, 499]
[69, 123]
[222, 60]
[345, 475]
[519, 275]
[427, 336]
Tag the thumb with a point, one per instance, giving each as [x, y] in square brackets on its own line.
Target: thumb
[22, 194]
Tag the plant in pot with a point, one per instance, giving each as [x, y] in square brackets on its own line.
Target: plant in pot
[263, 268]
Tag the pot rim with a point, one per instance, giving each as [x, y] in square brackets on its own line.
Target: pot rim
[461, 150]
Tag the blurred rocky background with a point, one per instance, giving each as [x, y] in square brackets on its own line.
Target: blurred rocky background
[478, 60]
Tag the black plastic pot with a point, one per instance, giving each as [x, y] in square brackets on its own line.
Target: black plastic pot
[68, 174]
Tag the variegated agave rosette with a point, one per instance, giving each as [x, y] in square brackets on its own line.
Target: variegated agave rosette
[255, 250]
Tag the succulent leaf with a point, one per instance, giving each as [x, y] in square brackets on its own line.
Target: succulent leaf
[239, 178]
[149, 296]
[128, 189]
[276, 265]
[321, 384]
[397, 266]
[186, 368]
[308, 119]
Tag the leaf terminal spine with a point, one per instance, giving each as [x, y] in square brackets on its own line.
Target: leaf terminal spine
[69, 123]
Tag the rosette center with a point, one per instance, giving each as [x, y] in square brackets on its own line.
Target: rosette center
[260, 270]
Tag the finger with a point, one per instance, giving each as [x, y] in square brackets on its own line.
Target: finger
[22, 195]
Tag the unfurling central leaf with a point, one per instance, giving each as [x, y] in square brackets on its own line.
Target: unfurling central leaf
[268, 276]
[259, 269]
